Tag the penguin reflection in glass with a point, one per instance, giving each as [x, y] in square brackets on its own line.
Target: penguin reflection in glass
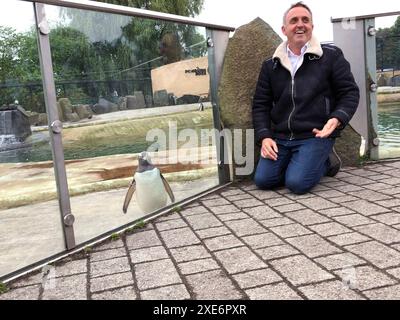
[150, 186]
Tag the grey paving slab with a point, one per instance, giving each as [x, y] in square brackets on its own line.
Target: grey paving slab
[391, 191]
[329, 194]
[262, 240]
[307, 217]
[330, 229]
[332, 290]
[143, 239]
[109, 244]
[215, 202]
[289, 207]
[127, 293]
[213, 285]
[29, 280]
[233, 216]
[313, 245]
[349, 238]
[175, 292]
[239, 260]
[223, 242]
[275, 202]
[280, 291]
[262, 213]
[300, 270]
[225, 209]
[353, 220]
[389, 293]
[380, 232]
[190, 253]
[232, 192]
[111, 282]
[394, 272]
[340, 261]
[369, 195]
[245, 227]
[317, 203]
[194, 211]
[203, 221]
[276, 222]
[276, 252]
[24, 293]
[389, 203]
[71, 268]
[66, 288]
[179, 238]
[367, 278]
[364, 207]
[156, 274]
[198, 266]
[116, 265]
[334, 212]
[213, 232]
[256, 278]
[341, 200]
[291, 230]
[107, 254]
[238, 197]
[376, 253]
[171, 224]
[248, 203]
[148, 254]
[391, 218]
[265, 194]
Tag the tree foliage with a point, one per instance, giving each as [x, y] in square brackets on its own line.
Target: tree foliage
[92, 51]
[388, 47]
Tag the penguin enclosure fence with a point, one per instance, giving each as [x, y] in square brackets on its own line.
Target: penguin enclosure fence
[102, 107]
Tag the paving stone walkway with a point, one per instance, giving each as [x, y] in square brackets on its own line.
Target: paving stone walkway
[342, 241]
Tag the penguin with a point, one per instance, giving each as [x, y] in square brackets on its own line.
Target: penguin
[149, 185]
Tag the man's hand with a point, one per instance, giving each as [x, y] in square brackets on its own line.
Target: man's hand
[269, 149]
[327, 130]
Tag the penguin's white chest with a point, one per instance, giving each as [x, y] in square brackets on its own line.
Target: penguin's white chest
[150, 191]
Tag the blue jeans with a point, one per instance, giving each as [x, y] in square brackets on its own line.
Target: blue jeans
[300, 166]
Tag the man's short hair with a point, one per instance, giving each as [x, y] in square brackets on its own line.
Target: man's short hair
[295, 5]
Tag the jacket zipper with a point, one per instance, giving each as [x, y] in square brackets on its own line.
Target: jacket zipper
[291, 114]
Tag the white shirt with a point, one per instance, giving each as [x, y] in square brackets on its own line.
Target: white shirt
[296, 60]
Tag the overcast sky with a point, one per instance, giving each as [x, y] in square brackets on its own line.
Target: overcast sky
[239, 12]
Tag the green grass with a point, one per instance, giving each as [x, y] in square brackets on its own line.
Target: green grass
[3, 288]
[115, 236]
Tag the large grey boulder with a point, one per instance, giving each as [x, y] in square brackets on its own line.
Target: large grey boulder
[348, 147]
[247, 49]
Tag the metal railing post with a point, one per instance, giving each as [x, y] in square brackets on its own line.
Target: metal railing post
[55, 125]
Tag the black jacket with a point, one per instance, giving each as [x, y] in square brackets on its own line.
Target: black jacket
[323, 88]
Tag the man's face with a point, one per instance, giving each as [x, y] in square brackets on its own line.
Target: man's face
[298, 27]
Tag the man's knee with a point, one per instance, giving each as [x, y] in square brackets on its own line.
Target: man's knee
[298, 186]
[264, 182]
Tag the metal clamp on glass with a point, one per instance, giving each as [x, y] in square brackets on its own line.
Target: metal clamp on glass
[69, 220]
[56, 126]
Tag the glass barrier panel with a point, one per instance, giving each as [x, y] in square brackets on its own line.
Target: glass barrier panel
[30, 223]
[124, 86]
[388, 80]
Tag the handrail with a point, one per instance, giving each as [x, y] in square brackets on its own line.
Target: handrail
[369, 16]
[117, 9]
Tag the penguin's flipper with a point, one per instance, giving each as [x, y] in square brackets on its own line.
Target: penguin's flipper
[168, 188]
[129, 194]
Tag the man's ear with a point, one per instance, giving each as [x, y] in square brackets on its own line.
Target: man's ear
[283, 30]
